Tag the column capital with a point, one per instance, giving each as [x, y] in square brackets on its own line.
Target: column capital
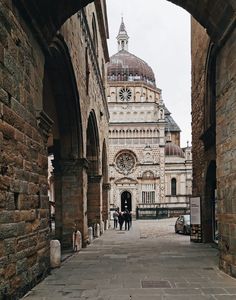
[69, 166]
[94, 178]
[106, 186]
[84, 163]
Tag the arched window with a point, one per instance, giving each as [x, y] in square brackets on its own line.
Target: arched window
[209, 135]
[173, 187]
[87, 70]
[95, 38]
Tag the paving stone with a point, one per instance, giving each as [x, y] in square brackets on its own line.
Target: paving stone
[114, 266]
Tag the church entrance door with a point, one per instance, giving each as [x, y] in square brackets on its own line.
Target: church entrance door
[126, 201]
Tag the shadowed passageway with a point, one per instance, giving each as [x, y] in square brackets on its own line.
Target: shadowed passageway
[148, 262]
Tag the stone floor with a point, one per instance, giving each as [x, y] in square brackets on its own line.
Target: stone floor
[148, 262]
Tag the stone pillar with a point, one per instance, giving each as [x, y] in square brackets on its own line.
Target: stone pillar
[105, 200]
[70, 200]
[94, 200]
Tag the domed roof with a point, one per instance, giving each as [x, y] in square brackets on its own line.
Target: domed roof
[124, 66]
[172, 149]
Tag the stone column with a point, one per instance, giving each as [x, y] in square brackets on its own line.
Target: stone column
[94, 200]
[70, 200]
[105, 201]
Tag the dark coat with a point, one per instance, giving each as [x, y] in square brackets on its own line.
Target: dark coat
[120, 218]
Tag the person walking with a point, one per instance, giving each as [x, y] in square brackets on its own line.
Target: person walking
[127, 218]
[120, 219]
[115, 218]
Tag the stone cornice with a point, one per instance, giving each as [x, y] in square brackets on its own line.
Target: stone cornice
[118, 84]
[44, 123]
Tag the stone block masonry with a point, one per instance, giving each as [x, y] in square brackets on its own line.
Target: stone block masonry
[23, 174]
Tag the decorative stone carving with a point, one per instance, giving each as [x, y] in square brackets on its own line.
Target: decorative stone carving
[106, 186]
[125, 94]
[125, 162]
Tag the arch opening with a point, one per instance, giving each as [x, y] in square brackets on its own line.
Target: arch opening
[94, 187]
[126, 201]
[65, 144]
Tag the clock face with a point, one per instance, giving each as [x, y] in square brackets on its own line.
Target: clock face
[125, 162]
[125, 94]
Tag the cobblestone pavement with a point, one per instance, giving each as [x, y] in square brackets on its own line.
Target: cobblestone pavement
[148, 262]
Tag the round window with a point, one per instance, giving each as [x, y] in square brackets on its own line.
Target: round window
[125, 162]
[125, 94]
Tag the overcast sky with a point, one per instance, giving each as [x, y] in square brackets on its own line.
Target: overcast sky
[159, 34]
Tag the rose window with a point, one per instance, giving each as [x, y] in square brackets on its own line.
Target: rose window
[125, 162]
[125, 94]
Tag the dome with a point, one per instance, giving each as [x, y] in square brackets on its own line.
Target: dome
[124, 66]
[173, 150]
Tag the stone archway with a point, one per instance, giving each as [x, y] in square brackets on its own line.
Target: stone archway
[65, 144]
[218, 17]
[94, 189]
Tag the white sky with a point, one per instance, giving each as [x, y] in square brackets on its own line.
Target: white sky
[159, 34]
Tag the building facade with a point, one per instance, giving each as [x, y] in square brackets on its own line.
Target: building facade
[147, 167]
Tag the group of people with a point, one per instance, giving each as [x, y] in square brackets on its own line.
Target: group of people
[121, 218]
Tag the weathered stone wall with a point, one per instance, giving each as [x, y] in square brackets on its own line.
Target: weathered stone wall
[24, 247]
[225, 139]
[226, 152]
[201, 156]
[199, 47]
[75, 35]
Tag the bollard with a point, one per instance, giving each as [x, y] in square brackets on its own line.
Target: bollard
[102, 227]
[106, 225]
[77, 241]
[55, 254]
[97, 230]
[90, 235]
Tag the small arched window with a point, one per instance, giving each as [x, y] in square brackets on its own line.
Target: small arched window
[95, 37]
[173, 187]
[87, 70]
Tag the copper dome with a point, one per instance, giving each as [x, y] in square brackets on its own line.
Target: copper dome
[173, 150]
[124, 66]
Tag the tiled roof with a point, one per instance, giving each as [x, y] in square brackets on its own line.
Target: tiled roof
[124, 66]
[170, 123]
